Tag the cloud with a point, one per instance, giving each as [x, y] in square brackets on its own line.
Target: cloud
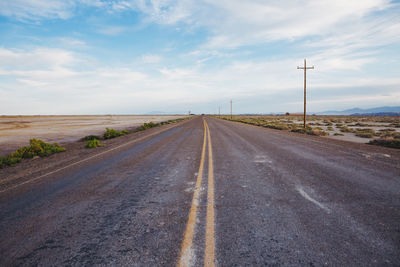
[39, 58]
[111, 30]
[31, 10]
[151, 58]
[56, 81]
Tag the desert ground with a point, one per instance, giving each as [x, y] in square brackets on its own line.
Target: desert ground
[15, 131]
[357, 129]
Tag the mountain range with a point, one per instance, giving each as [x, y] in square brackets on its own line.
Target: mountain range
[371, 111]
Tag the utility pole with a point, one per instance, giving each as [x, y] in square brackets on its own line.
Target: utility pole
[219, 112]
[305, 68]
[231, 109]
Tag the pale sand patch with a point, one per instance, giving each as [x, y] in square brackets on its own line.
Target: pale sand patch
[15, 131]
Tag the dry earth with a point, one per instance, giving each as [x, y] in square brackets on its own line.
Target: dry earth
[15, 131]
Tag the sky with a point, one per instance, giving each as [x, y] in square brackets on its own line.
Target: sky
[140, 56]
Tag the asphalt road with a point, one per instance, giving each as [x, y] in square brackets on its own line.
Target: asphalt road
[210, 193]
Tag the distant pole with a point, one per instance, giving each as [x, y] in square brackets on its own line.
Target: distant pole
[231, 109]
[305, 68]
[219, 112]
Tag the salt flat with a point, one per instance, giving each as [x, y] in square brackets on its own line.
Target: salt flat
[15, 131]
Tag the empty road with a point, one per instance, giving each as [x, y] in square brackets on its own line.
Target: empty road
[208, 192]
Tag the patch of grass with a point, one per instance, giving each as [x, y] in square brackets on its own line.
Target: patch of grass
[36, 147]
[93, 143]
[111, 133]
[393, 143]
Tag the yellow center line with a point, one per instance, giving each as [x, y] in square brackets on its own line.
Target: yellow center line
[209, 253]
[187, 253]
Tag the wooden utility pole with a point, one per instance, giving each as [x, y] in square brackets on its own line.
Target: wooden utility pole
[305, 68]
[231, 109]
[219, 112]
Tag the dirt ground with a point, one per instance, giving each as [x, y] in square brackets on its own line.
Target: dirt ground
[15, 131]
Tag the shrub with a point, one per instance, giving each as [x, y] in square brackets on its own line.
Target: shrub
[90, 137]
[318, 132]
[276, 126]
[111, 133]
[338, 134]
[37, 147]
[394, 143]
[93, 143]
[310, 131]
[364, 135]
[149, 125]
[346, 129]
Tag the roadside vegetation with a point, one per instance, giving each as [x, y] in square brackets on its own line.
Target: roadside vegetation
[36, 148]
[111, 133]
[93, 141]
[279, 123]
[39, 148]
[379, 130]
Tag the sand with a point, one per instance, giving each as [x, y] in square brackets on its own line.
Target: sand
[15, 131]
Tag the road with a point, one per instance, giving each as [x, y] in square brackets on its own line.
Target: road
[210, 192]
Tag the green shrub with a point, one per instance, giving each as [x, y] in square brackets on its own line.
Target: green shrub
[93, 143]
[149, 125]
[338, 134]
[90, 137]
[111, 133]
[37, 147]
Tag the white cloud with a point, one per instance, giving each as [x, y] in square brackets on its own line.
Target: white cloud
[111, 30]
[151, 58]
[28, 10]
[52, 84]
[40, 58]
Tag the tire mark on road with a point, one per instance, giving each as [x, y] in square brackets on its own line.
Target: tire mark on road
[306, 196]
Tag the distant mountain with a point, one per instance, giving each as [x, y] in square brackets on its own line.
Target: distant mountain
[383, 111]
[164, 113]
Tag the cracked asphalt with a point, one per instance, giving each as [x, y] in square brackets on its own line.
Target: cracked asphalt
[282, 199]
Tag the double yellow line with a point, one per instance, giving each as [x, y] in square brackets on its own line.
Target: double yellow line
[187, 255]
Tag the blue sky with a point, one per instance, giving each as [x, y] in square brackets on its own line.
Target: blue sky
[138, 56]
